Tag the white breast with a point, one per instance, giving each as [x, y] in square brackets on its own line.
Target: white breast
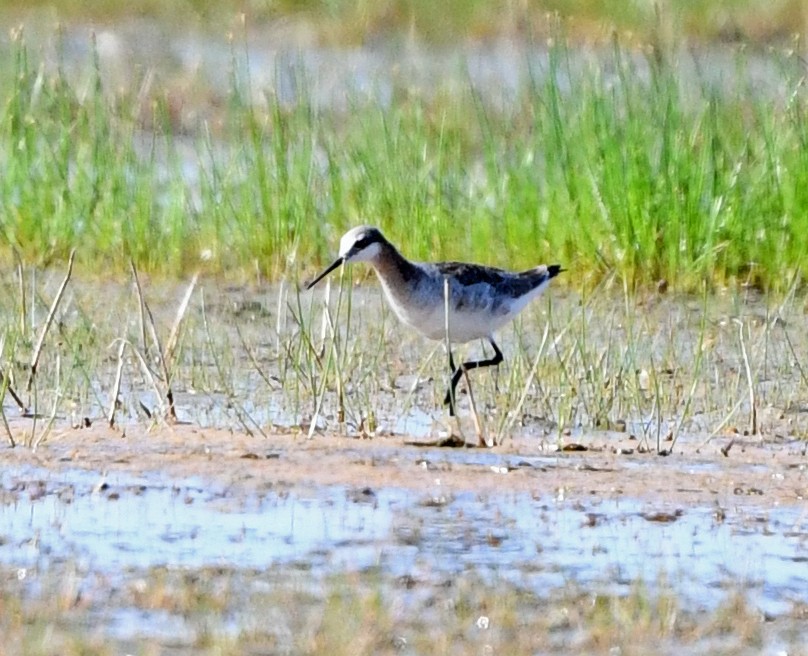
[425, 313]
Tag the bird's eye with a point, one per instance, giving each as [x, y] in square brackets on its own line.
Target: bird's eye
[363, 242]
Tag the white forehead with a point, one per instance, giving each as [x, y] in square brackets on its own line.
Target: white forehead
[351, 237]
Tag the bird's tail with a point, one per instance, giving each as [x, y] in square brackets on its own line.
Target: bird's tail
[548, 270]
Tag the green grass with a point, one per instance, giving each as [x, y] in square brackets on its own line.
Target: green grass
[620, 166]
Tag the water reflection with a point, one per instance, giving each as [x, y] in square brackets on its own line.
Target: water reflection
[136, 522]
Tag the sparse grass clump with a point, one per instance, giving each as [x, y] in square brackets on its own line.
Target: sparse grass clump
[653, 368]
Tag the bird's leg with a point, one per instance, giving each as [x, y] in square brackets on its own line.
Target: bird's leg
[457, 373]
[449, 400]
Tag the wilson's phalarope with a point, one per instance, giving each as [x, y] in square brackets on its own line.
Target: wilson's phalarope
[481, 299]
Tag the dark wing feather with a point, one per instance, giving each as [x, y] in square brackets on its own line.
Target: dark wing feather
[506, 282]
[469, 274]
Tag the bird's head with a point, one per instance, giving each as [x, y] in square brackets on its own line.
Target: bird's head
[360, 244]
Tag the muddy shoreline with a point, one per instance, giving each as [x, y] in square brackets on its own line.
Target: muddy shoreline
[762, 472]
[276, 524]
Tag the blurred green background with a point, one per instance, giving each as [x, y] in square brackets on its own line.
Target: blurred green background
[654, 142]
[355, 21]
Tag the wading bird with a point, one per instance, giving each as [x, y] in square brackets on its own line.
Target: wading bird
[481, 299]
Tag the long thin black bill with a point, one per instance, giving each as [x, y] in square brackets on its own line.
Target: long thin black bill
[331, 267]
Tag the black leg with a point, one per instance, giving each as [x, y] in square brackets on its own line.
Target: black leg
[457, 373]
[449, 400]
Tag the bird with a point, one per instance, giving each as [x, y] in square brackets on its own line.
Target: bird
[481, 299]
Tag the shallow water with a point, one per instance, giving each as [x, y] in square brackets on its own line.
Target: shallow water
[125, 522]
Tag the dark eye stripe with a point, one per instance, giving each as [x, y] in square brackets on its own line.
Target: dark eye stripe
[364, 242]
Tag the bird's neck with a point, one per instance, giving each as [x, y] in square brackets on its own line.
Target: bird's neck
[393, 269]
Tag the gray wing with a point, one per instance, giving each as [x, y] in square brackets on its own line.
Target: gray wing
[505, 283]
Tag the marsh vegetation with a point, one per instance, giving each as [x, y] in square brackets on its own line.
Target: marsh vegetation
[687, 168]
[160, 217]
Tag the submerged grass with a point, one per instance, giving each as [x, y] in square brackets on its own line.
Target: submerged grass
[222, 611]
[615, 164]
